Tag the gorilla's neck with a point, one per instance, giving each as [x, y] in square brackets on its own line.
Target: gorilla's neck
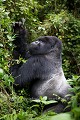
[54, 62]
[47, 65]
[54, 58]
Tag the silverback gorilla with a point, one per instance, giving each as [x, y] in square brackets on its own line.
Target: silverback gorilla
[43, 69]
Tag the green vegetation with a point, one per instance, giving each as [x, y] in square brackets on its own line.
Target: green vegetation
[42, 17]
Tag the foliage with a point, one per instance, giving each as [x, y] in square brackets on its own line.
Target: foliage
[62, 116]
[41, 102]
[75, 100]
[58, 17]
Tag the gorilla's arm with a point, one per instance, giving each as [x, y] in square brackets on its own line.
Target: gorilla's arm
[24, 74]
[21, 41]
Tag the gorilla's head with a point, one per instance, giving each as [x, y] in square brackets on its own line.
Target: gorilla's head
[45, 45]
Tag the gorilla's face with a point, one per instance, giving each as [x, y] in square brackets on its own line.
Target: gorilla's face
[44, 45]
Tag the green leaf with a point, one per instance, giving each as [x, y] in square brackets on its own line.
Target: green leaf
[44, 98]
[49, 102]
[76, 113]
[1, 72]
[62, 116]
[37, 101]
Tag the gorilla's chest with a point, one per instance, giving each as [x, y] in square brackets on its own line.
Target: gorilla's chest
[43, 67]
[46, 87]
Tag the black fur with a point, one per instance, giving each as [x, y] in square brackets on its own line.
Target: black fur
[43, 71]
[21, 41]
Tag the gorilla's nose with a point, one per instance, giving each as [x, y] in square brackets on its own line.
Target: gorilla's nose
[34, 44]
